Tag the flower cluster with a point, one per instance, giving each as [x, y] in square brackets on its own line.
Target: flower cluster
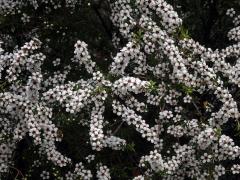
[175, 93]
[15, 7]
[103, 173]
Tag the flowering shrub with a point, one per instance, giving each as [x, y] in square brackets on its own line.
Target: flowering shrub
[160, 105]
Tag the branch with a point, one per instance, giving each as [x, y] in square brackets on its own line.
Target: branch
[117, 129]
[96, 10]
[18, 172]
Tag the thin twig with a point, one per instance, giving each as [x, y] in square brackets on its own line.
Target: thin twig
[194, 104]
[117, 129]
[103, 22]
[18, 172]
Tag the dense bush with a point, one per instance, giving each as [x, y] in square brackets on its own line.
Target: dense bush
[119, 89]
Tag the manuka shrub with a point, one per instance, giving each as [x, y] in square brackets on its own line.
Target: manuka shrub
[119, 89]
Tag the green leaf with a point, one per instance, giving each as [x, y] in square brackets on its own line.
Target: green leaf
[130, 147]
[218, 131]
[183, 33]
[152, 87]
[138, 36]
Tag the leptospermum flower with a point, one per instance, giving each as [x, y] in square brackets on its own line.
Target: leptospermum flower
[182, 68]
